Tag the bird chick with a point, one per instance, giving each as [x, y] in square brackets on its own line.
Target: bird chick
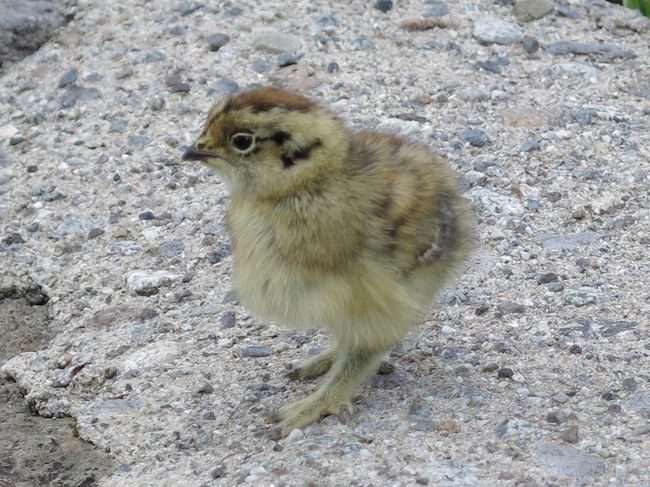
[353, 232]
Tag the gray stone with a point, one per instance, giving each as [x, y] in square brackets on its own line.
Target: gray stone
[178, 30]
[25, 26]
[512, 427]
[74, 93]
[529, 10]
[217, 41]
[328, 20]
[260, 66]
[137, 141]
[170, 249]
[640, 402]
[153, 56]
[256, 351]
[203, 440]
[68, 78]
[278, 42]
[583, 295]
[604, 52]
[474, 93]
[95, 232]
[362, 43]
[496, 31]
[398, 126]
[145, 282]
[75, 226]
[118, 125]
[494, 203]
[556, 241]
[569, 464]
[531, 45]
[223, 87]
[566, 11]
[189, 9]
[577, 69]
[285, 60]
[228, 320]
[608, 328]
[383, 5]
[435, 9]
[151, 355]
[581, 115]
[475, 137]
[530, 146]
[510, 307]
[114, 407]
[156, 103]
[13, 238]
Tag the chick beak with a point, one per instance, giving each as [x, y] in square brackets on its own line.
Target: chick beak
[192, 154]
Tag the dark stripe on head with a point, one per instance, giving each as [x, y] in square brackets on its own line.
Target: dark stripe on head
[279, 137]
[289, 160]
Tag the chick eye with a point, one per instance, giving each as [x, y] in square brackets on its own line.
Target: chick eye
[242, 142]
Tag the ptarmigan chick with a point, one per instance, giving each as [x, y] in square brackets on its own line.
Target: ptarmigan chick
[354, 232]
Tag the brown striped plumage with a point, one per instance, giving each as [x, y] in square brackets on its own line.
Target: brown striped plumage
[354, 232]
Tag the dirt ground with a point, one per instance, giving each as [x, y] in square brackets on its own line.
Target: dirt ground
[37, 451]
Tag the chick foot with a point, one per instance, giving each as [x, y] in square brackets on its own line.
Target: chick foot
[307, 411]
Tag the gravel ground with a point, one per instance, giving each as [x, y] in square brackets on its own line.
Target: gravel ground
[533, 369]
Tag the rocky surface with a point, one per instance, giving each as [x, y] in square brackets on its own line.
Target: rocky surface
[532, 370]
[25, 25]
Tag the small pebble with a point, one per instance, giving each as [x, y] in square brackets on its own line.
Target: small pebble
[13, 238]
[146, 215]
[548, 277]
[68, 78]
[571, 434]
[383, 5]
[95, 232]
[505, 373]
[256, 351]
[531, 45]
[492, 367]
[218, 472]
[510, 307]
[475, 137]
[482, 309]
[228, 320]
[575, 350]
[261, 66]
[285, 60]
[579, 214]
[217, 41]
[555, 287]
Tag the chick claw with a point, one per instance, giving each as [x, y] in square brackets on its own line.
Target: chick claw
[302, 413]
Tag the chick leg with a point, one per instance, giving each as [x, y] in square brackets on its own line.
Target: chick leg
[350, 368]
[315, 366]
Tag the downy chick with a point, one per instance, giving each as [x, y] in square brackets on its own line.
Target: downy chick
[353, 232]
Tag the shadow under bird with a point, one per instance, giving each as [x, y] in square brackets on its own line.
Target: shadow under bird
[351, 231]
